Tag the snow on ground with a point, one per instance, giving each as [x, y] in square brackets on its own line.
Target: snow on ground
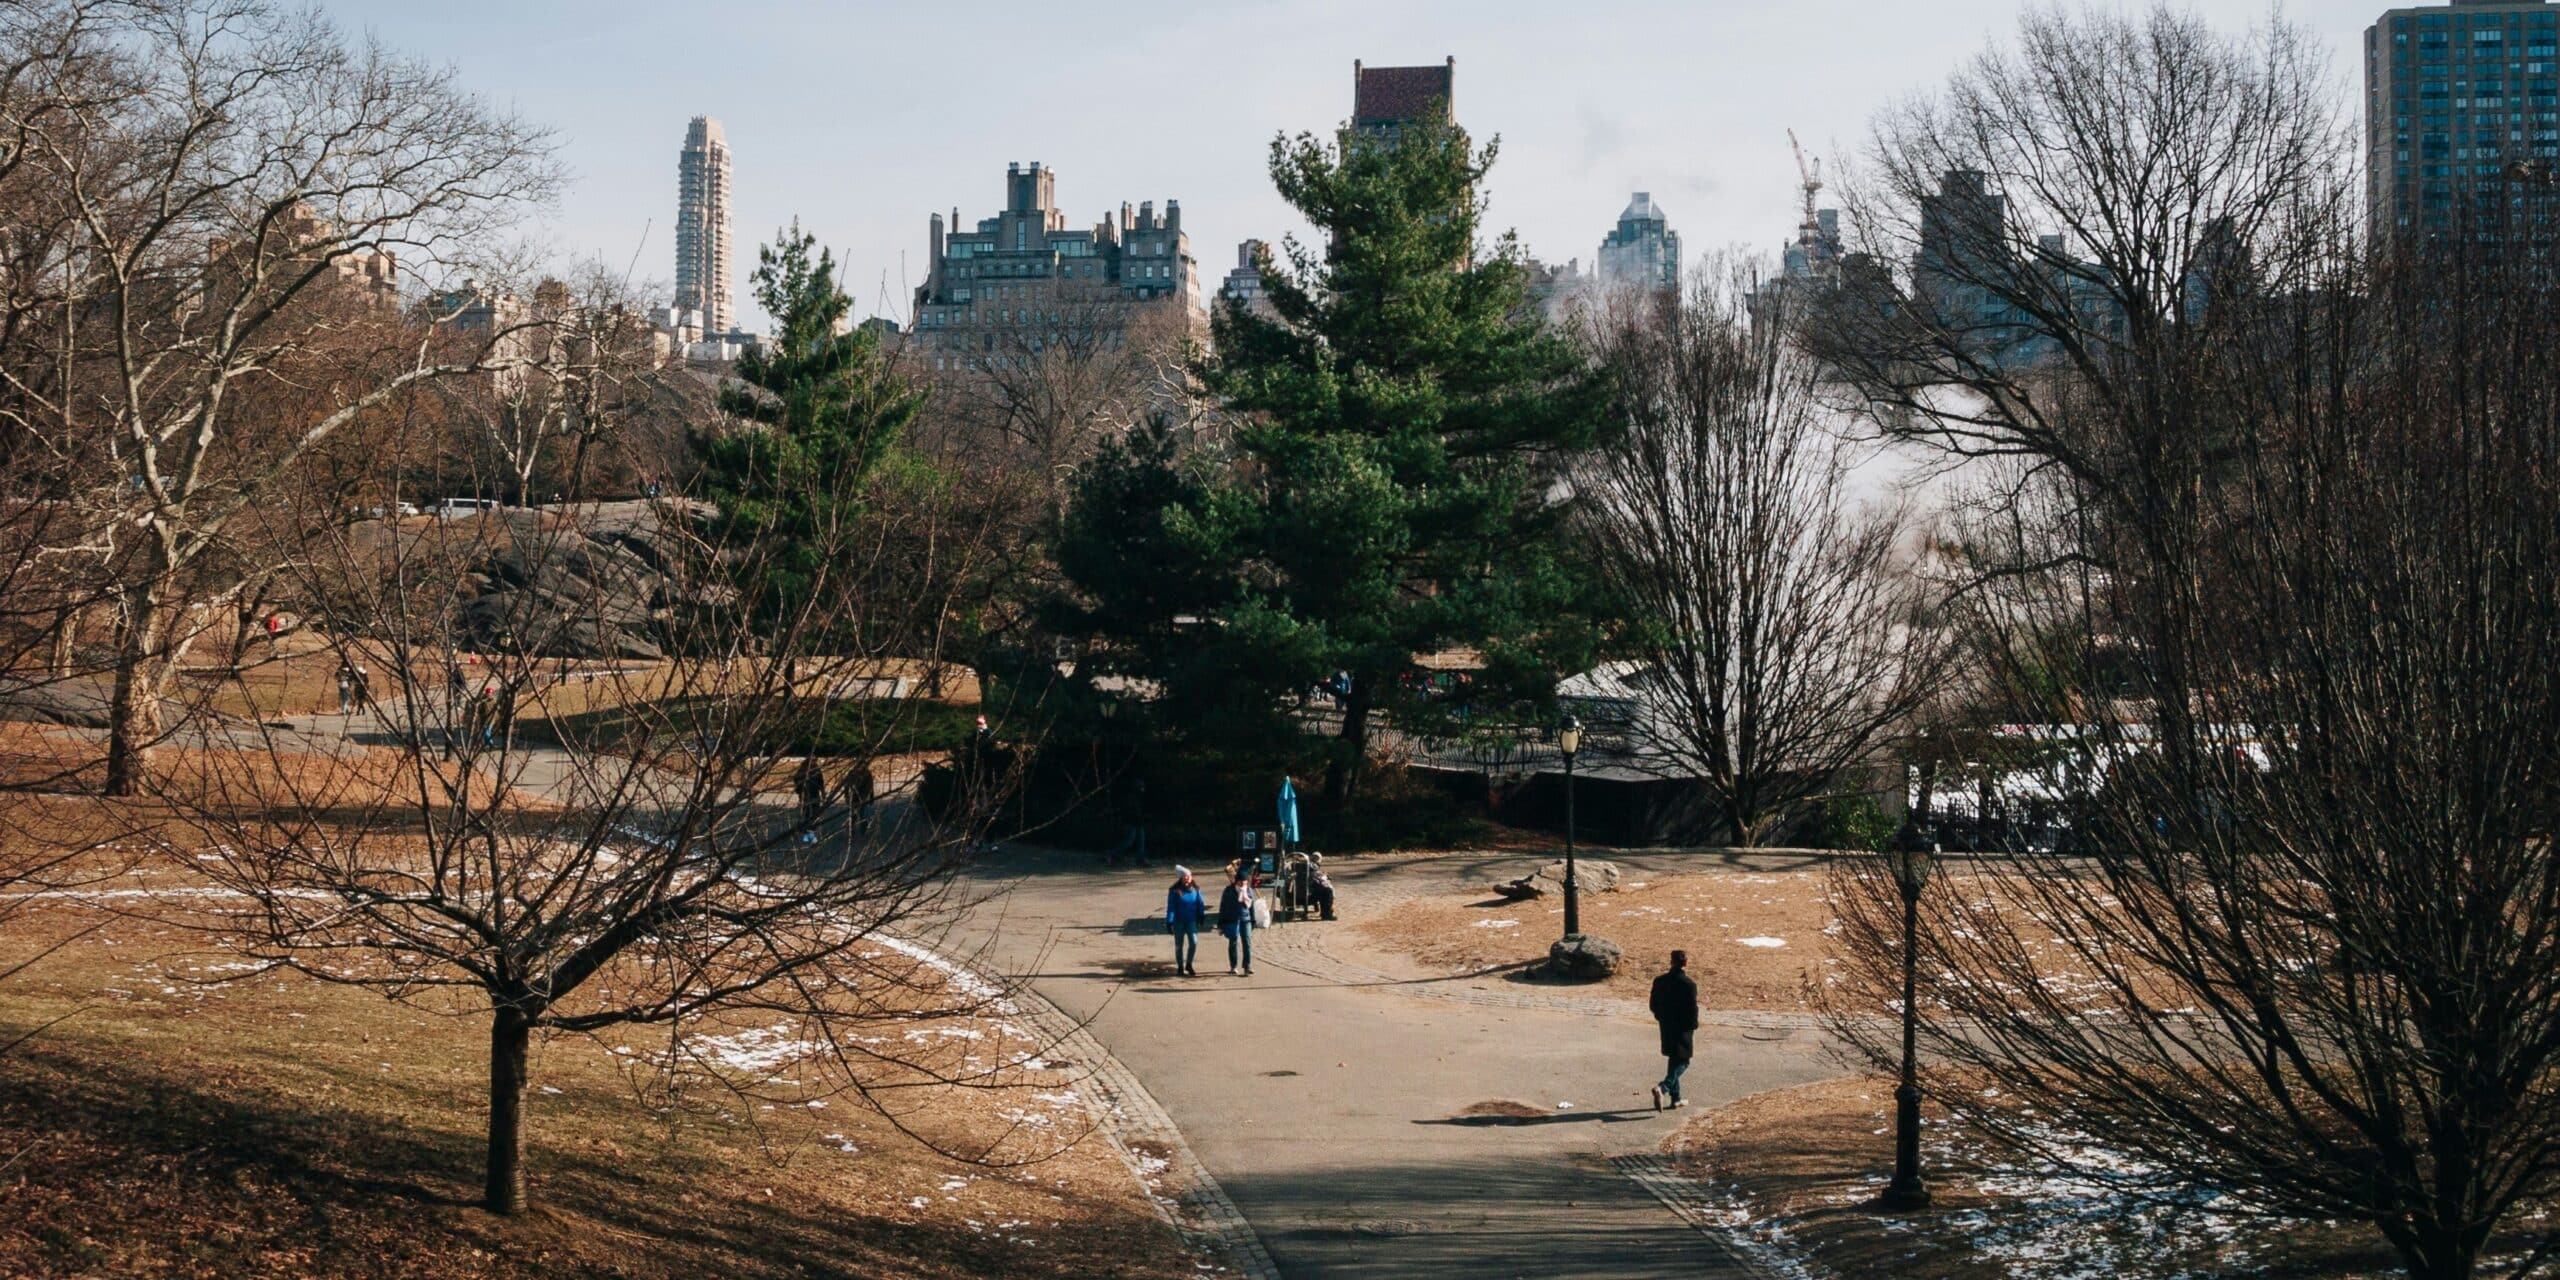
[1762, 1241]
[1763, 941]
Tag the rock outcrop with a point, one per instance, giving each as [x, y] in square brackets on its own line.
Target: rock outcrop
[1591, 875]
[588, 583]
[1580, 957]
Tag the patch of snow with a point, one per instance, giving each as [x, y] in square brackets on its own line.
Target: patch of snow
[1763, 941]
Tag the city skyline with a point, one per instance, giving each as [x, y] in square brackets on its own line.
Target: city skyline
[1696, 111]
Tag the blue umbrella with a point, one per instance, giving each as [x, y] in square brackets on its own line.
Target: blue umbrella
[1288, 812]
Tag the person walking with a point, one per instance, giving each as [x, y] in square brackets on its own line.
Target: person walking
[1184, 910]
[1675, 1011]
[1235, 920]
[861, 787]
[346, 688]
[811, 783]
[363, 690]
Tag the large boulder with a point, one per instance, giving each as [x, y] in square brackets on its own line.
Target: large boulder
[589, 583]
[1581, 957]
[1591, 875]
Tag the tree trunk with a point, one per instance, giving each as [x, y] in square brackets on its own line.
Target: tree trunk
[2444, 1255]
[508, 1037]
[133, 718]
[1342, 774]
[1746, 821]
[66, 634]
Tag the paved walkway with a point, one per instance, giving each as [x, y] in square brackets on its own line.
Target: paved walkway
[1325, 1094]
[1324, 1098]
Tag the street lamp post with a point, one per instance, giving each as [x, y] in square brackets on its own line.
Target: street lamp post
[1569, 739]
[1135, 838]
[1910, 858]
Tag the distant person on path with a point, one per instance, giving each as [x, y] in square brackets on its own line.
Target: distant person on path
[1319, 885]
[364, 690]
[1184, 912]
[1675, 1010]
[1235, 920]
[861, 787]
[811, 783]
[346, 688]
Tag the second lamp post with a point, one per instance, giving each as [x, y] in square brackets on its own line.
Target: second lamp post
[1569, 740]
[1910, 858]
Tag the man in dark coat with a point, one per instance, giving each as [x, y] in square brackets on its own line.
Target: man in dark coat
[811, 784]
[1675, 1010]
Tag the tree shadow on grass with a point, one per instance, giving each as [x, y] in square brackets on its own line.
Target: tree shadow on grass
[130, 1166]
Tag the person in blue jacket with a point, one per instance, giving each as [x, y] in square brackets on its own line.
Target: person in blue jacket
[1235, 918]
[1184, 909]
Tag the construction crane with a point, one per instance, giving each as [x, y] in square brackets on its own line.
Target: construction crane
[1812, 252]
[1809, 176]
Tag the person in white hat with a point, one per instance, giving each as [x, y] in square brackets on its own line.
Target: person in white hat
[1184, 910]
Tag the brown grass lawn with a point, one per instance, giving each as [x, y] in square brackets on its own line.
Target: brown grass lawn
[299, 676]
[187, 1118]
[1795, 1170]
[1710, 915]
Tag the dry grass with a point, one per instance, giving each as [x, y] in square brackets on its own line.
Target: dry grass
[298, 676]
[1797, 1170]
[1708, 915]
[1761, 940]
[188, 1117]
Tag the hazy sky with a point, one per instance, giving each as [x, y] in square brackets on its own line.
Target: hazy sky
[860, 119]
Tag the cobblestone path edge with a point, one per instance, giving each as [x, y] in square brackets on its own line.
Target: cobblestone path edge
[1141, 1133]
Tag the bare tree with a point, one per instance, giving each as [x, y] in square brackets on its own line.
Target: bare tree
[2037, 247]
[580, 836]
[2280, 591]
[1781, 635]
[237, 195]
[590, 378]
[1033, 397]
[590, 846]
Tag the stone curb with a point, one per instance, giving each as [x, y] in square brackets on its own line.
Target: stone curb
[1183, 1191]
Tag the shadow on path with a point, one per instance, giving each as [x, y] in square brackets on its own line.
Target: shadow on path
[1500, 1121]
[1475, 1217]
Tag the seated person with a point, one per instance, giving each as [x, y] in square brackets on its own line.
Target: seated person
[1320, 889]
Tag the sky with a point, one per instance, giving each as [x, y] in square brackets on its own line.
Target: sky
[860, 118]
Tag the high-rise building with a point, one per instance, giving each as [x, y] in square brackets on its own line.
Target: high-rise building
[1643, 252]
[1023, 281]
[2456, 97]
[1815, 252]
[1385, 99]
[703, 231]
[1244, 284]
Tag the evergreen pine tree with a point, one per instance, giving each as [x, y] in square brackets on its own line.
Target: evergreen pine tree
[1393, 487]
[817, 410]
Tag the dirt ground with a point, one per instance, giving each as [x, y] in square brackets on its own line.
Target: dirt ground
[1795, 1171]
[1755, 940]
[176, 1113]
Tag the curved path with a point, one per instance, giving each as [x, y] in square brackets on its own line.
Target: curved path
[1326, 1099]
[1311, 1119]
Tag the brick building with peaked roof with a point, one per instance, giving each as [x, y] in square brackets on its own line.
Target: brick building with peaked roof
[1384, 99]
